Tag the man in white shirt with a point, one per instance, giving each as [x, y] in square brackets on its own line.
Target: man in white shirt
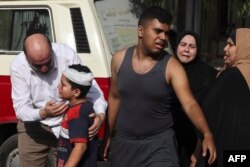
[35, 75]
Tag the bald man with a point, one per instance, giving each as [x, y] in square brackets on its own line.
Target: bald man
[35, 75]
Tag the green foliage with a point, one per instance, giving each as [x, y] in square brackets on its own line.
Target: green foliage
[138, 6]
[154, 3]
[209, 5]
[239, 8]
[244, 8]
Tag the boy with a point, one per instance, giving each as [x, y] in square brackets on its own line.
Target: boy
[74, 147]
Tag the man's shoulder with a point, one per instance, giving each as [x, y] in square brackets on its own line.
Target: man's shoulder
[63, 45]
[123, 51]
[60, 48]
[118, 56]
[65, 54]
[18, 62]
[120, 52]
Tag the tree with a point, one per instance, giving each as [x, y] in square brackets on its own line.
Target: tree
[239, 9]
[139, 5]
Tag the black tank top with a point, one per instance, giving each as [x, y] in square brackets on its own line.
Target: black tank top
[145, 99]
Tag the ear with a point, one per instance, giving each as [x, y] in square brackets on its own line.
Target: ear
[77, 92]
[140, 31]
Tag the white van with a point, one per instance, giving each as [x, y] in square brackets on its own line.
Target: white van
[94, 28]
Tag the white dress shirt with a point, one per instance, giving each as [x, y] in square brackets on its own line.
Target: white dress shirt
[31, 90]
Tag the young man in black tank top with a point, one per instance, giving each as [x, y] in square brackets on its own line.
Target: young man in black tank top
[142, 84]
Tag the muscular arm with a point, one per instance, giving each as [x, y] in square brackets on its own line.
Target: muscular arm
[176, 76]
[113, 100]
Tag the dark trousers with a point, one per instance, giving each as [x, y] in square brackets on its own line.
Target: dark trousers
[159, 150]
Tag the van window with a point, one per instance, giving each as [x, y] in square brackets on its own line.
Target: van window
[119, 20]
[16, 24]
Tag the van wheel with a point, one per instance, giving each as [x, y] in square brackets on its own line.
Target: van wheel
[9, 156]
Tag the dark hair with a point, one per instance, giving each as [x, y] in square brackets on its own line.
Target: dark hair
[193, 34]
[47, 38]
[155, 12]
[172, 37]
[84, 89]
[232, 35]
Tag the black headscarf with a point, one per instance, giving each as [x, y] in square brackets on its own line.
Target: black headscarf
[196, 37]
[198, 72]
[232, 35]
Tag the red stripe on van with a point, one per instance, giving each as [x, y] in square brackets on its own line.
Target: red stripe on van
[104, 84]
[7, 113]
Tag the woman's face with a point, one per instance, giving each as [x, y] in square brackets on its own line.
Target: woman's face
[187, 49]
[230, 53]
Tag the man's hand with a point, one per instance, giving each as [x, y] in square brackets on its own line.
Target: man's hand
[208, 145]
[53, 109]
[98, 121]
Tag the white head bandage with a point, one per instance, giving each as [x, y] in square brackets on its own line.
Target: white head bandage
[81, 78]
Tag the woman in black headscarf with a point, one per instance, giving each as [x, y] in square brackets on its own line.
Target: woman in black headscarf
[201, 77]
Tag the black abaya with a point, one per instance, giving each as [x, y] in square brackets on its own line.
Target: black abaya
[227, 108]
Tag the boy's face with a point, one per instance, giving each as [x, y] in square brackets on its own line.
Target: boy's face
[65, 90]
